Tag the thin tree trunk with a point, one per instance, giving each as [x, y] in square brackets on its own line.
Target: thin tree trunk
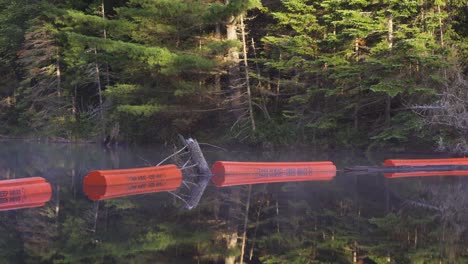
[232, 225]
[217, 75]
[233, 67]
[415, 237]
[59, 75]
[388, 109]
[388, 99]
[356, 118]
[96, 215]
[99, 87]
[278, 86]
[390, 32]
[104, 34]
[277, 221]
[246, 221]
[262, 94]
[232, 243]
[73, 186]
[255, 234]
[246, 71]
[57, 204]
[440, 27]
[74, 112]
[356, 49]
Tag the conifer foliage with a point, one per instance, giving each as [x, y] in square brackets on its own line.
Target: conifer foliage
[329, 72]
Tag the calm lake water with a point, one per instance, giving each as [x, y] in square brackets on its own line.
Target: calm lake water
[337, 220]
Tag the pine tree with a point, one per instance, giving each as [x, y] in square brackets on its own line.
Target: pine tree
[41, 93]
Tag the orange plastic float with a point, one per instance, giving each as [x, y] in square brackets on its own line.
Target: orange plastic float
[425, 173]
[425, 162]
[228, 173]
[131, 176]
[24, 193]
[107, 184]
[102, 192]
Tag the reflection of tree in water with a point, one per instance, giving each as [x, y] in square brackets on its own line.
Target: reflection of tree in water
[37, 230]
[303, 222]
[449, 205]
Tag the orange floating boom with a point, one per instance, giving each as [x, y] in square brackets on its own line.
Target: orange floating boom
[425, 162]
[428, 167]
[131, 176]
[107, 184]
[228, 173]
[103, 192]
[24, 193]
[425, 174]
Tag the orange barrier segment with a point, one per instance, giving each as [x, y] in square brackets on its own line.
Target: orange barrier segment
[228, 173]
[103, 192]
[132, 176]
[24, 193]
[425, 162]
[425, 174]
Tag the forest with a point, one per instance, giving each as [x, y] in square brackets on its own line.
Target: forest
[333, 73]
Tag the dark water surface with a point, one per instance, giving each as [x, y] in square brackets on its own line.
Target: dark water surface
[388, 220]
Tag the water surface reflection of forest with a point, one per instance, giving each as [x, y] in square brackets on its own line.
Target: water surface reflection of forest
[404, 220]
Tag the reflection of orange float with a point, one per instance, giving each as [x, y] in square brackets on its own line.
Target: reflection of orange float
[107, 184]
[427, 173]
[227, 173]
[426, 162]
[24, 193]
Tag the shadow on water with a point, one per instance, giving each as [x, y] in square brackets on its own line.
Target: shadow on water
[337, 219]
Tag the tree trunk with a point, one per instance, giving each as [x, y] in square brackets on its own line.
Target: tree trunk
[440, 26]
[415, 237]
[246, 221]
[278, 85]
[388, 99]
[255, 233]
[390, 32]
[98, 84]
[96, 215]
[388, 109]
[246, 71]
[233, 68]
[104, 34]
[74, 110]
[277, 219]
[231, 244]
[57, 204]
[262, 92]
[59, 75]
[232, 225]
[203, 172]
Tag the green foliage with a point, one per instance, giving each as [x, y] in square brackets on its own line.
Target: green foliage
[279, 132]
[404, 127]
[330, 71]
[139, 110]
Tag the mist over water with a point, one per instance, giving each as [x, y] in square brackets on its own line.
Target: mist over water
[389, 220]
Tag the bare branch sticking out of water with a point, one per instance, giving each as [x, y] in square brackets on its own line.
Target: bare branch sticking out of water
[180, 198]
[423, 205]
[146, 161]
[177, 152]
[188, 167]
[214, 146]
